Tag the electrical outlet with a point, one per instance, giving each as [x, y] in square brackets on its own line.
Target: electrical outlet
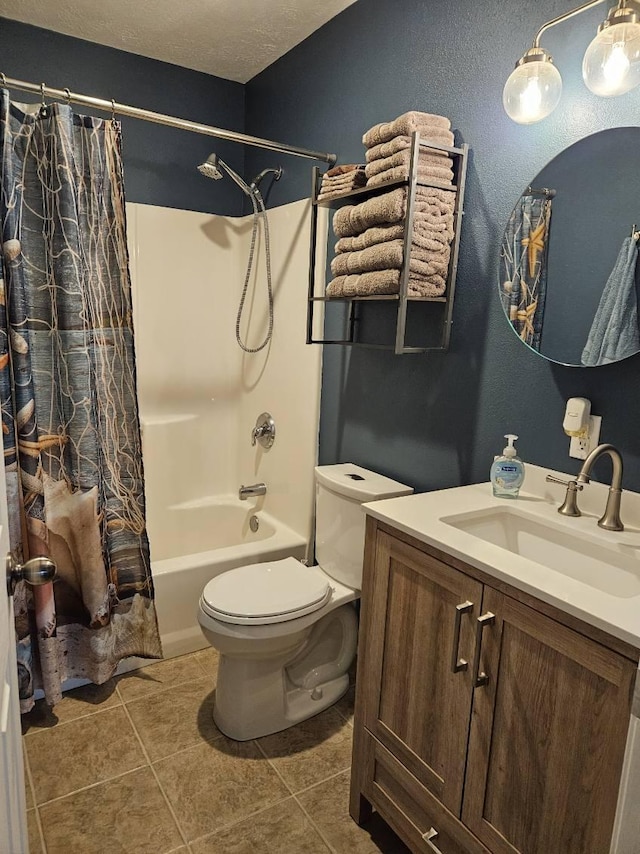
[581, 446]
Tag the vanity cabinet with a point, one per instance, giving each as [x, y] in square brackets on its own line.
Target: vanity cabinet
[485, 722]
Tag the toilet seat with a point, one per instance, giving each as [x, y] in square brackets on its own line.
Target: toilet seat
[263, 593]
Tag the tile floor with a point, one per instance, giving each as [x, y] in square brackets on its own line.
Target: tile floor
[138, 765]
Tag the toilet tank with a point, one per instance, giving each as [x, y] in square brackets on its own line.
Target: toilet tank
[341, 490]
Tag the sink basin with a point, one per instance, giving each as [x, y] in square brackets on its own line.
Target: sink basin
[597, 565]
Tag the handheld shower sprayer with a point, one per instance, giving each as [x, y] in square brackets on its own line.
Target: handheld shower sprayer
[213, 168]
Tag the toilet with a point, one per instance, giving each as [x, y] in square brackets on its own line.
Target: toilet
[286, 632]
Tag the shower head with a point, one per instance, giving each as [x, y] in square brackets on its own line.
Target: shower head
[212, 168]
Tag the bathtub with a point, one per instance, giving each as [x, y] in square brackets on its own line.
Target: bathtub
[193, 542]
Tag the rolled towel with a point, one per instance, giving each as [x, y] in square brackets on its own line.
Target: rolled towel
[370, 237]
[385, 282]
[390, 255]
[402, 158]
[390, 208]
[426, 174]
[402, 143]
[424, 234]
[429, 286]
[405, 125]
[379, 283]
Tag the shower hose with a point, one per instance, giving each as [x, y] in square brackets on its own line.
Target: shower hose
[259, 212]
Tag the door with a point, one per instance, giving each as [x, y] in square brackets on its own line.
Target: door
[13, 818]
[548, 734]
[419, 651]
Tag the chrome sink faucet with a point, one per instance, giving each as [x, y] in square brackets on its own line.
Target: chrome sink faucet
[610, 519]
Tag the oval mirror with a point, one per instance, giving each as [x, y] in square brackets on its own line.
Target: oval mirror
[568, 272]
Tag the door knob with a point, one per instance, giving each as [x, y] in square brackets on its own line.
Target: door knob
[38, 570]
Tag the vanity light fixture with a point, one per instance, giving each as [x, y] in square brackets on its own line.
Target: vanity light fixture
[611, 64]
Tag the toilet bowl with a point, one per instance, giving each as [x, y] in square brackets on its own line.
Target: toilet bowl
[287, 632]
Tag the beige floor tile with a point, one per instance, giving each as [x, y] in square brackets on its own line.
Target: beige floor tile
[82, 752]
[35, 845]
[174, 719]
[212, 785]
[311, 751]
[123, 815]
[157, 677]
[328, 805]
[208, 660]
[74, 704]
[345, 704]
[27, 785]
[281, 829]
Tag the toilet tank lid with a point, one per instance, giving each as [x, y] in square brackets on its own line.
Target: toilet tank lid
[358, 483]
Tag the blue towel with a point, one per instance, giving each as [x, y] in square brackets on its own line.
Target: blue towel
[614, 332]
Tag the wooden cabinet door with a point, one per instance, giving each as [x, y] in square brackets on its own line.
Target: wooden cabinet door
[415, 704]
[548, 735]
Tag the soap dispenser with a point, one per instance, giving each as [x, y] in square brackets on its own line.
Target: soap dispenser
[507, 471]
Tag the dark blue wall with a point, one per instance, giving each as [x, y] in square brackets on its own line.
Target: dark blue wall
[437, 420]
[433, 420]
[159, 162]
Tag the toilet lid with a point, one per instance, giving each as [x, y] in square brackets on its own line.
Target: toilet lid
[264, 593]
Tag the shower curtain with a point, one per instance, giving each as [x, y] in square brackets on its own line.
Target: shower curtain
[523, 281]
[70, 425]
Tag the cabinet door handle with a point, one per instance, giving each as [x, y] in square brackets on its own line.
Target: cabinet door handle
[429, 836]
[458, 664]
[487, 619]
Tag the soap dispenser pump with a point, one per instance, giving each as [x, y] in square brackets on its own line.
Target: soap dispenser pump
[507, 471]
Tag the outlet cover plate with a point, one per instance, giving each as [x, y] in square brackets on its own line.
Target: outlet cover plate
[581, 446]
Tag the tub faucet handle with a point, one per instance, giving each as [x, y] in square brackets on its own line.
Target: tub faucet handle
[265, 431]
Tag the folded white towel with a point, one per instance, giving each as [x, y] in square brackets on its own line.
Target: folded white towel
[407, 124]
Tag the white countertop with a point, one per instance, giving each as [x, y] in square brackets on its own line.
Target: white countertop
[421, 517]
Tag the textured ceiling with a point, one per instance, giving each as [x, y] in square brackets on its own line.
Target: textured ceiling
[234, 39]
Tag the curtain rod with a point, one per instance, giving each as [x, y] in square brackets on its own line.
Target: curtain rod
[161, 119]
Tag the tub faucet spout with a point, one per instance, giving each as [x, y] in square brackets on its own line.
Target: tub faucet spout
[610, 520]
[250, 491]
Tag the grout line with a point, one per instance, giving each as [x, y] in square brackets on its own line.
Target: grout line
[59, 724]
[320, 782]
[90, 786]
[224, 827]
[316, 827]
[200, 680]
[27, 765]
[183, 835]
[259, 746]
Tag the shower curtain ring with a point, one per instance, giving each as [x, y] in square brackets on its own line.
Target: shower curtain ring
[3, 79]
[44, 103]
[67, 95]
[113, 110]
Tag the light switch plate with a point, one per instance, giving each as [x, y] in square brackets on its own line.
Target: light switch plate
[580, 446]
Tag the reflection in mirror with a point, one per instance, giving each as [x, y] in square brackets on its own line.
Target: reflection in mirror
[568, 267]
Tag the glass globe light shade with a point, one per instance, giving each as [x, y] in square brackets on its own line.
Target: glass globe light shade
[611, 64]
[532, 91]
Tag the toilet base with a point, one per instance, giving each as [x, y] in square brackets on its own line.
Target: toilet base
[301, 704]
[260, 696]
